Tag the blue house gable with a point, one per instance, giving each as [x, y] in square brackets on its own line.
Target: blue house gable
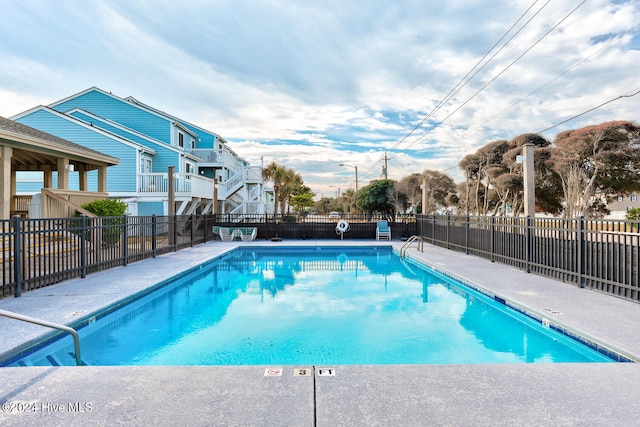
[148, 143]
[82, 133]
[165, 155]
[108, 106]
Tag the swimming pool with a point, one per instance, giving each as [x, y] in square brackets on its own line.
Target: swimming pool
[317, 305]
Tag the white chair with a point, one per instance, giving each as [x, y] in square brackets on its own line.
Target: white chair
[248, 234]
[227, 234]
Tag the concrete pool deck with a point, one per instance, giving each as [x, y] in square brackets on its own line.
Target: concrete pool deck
[590, 394]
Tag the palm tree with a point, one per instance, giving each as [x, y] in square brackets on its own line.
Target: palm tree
[274, 172]
[291, 182]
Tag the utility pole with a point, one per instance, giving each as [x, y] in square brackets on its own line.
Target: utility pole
[529, 184]
[384, 169]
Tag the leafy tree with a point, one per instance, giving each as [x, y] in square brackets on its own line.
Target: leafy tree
[348, 201]
[496, 176]
[302, 199]
[323, 206]
[633, 214]
[480, 169]
[409, 187]
[301, 203]
[375, 197]
[548, 184]
[604, 158]
[439, 189]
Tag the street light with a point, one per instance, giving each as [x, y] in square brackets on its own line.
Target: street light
[337, 191]
[356, 168]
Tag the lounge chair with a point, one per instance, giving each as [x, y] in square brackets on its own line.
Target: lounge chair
[227, 234]
[248, 234]
[383, 231]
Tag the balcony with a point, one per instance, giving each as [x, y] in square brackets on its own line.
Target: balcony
[208, 157]
[185, 185]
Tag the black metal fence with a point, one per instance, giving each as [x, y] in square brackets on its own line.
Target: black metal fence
[599, 254]
[41, 252]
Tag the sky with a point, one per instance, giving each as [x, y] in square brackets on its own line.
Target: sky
[313, 84]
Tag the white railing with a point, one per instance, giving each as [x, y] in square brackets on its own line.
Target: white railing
[196, 185]
[253, 173]
[254, 208]
[254, 194]
[58, 203]
[153, 183]
[206, 155]
[234, 182]
[232, 162]
[189, 184]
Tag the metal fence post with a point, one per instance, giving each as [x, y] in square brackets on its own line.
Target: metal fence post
[492, 235]
[83, 246]
[206, 227]
[174, 234]
[125, 240]
[466, 237]
[17, 256]
[528, 245]
[580, 260]
[154, 235]
[448, 226]
[192, 224]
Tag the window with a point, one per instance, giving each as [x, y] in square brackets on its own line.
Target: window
[180, 139]
[634, 197]
[193, 144]
[620, 198]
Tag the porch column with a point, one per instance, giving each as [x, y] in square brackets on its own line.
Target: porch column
[214, 205]
[48, 176]
[102, 179]
[13, 190]
[63, 174]
[82, 178]
[5, 180]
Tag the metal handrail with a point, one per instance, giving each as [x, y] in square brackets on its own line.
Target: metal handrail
[414, 238]
[74, 334]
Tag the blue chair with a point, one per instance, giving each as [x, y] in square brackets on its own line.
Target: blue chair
[383, 231]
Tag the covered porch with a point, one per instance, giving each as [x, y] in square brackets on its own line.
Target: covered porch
[23, 148]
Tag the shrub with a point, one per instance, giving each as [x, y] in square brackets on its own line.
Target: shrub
[107, 207]
[113, 210]
[289, 218]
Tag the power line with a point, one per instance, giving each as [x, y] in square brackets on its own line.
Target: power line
[582, 61]
[590, 110]
[471, 74]
[500, 73]
[465, 80]
[628, 95]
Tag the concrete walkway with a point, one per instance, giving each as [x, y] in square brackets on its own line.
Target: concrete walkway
[414, 395]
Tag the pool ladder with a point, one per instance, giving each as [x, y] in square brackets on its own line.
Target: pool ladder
[74, 334]
[407, 244]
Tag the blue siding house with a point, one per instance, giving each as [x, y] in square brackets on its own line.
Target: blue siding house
[148, 142]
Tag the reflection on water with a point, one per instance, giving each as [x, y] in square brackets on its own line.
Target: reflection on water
[312, 306]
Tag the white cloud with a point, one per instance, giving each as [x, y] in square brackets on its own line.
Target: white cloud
[319, 83]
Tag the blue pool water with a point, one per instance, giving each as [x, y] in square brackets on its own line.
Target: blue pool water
[321, 306]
